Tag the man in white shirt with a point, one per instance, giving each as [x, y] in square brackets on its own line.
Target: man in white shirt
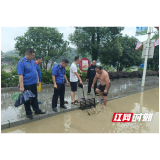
[74, 76]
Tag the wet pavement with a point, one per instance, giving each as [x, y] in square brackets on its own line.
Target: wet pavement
[100, 121]
[11, 116]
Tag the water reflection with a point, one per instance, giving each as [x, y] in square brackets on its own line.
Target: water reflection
[67, 122]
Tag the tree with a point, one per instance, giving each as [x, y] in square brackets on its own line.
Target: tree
[92, 40]
[128, 55]
[46, 41]
[7, 59]
[70, 56]
[15, 59]
[154, 62]
[11, 53]
[2, 53]
[111, 52]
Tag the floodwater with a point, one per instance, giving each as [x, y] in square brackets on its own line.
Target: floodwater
[100, 120]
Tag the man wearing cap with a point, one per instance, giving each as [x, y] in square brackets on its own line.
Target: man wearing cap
[28, 79]
[59, 77]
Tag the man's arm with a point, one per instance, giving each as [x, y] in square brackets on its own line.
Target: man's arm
[20, 72]
[21, 82]
[94, 80]
[78, 77]
[54, 81]
[37, 79]
[54, 73]
[107, 83]
[66, 79]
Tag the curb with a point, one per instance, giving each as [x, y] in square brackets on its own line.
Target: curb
[12, 123]
[42, 86]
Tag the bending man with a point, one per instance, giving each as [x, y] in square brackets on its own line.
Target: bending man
[104, 85]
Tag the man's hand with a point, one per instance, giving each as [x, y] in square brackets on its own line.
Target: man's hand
[105, 91]
[92, 86]
[38, 83]
[55, 85]
[86, 80]
[81, 82]
[68, 83]
[21, 88]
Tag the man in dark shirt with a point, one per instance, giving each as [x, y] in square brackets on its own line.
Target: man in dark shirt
[90, 76]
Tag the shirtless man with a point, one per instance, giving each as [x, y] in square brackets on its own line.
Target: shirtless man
[104, 85]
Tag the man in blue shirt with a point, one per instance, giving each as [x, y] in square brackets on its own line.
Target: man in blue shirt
[28, 79]
[38, 62]
[59, 77]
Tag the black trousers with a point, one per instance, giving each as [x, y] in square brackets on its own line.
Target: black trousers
[33, 102]
[90, 81]
[59, 91]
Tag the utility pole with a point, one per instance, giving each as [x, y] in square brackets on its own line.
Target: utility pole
[146, 57]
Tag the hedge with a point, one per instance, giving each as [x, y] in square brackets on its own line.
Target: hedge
[11, 79]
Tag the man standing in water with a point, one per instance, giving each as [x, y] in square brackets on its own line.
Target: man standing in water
[104, 85]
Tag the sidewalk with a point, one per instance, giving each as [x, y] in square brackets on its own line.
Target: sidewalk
[12, 116]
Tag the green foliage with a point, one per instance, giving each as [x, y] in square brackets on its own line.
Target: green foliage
[68, 74]
[11, 79]
[13, 71]
[156, 35]
[5, 78]
[46, 41]
[15, 59]
[46, 76]
[154, 62]
[6, 59]
[93, 40]
[2, 52]
[130, 56]
[141, 69]
[70, 56]
[11, 53]
[108, 68]
[15, 78]
[129, 69]
[83, 77]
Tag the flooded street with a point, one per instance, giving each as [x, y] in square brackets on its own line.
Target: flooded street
[100, 120]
